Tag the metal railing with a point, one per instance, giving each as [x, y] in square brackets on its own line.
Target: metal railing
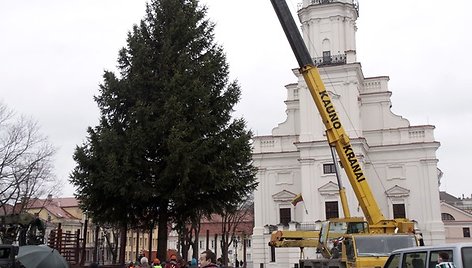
[308, 227]
[331, 60]
[320, 2]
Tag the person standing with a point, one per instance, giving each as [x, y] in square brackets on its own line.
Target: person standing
[193, 263]
[208, 259]
[144, 262]
[172, 263]
[156, 263]
[219, 263]
[443, 261]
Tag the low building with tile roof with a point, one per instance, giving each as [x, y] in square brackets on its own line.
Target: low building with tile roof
[65, 211]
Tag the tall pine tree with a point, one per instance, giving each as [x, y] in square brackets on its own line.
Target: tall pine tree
[166, 148]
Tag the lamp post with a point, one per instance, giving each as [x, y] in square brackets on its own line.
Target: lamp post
[244, 250]
[84, 242]
[235, 241]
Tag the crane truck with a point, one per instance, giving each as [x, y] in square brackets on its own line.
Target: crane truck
[346, 242]
[16, 230]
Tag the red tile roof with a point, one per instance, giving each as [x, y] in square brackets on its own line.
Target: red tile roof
[64, 202]
[55, 206]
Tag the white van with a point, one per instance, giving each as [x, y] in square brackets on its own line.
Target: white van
[427, 257]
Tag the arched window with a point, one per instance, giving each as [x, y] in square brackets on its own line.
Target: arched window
[447, 217]
[326, 44]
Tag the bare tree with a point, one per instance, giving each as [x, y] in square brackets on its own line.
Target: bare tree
[26, 169]
[231, 221]
[112, 235]
[189, 238]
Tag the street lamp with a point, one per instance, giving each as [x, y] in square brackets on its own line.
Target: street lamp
[235, 241]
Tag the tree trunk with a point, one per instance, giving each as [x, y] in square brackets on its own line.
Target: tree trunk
[194, 246]
[114, 250]
[82, 256]
[224, 249]
[137, 246]
[124, 230]
[151, 231]
[196, 229]
[95, 247]
[162, 232]
[184, 245]
[216, 244]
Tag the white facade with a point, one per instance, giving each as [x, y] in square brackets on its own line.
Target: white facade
[399, 160]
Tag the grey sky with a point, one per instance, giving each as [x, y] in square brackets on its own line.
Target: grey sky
[53, 53]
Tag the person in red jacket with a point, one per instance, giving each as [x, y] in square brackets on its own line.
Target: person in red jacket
[207, 259]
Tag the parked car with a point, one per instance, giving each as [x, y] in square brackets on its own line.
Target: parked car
[427, 257]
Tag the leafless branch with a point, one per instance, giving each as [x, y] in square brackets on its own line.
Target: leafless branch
[26, 156]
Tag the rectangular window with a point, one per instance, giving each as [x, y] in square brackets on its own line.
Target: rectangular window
[285, 216]
[399, 211]
[248, 243]
[433, 257]
[212, 243]
[329, 169]
[415, 260]
[466, 231]
[331, 209]
[201, 244]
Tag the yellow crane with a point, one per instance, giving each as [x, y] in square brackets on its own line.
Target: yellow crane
[350, 235]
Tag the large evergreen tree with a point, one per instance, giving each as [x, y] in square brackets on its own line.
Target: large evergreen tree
[166, 148]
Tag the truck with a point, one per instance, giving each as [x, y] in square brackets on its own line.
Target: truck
[346, 242]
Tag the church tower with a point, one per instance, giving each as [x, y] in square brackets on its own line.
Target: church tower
[329, 30]
[399, 160]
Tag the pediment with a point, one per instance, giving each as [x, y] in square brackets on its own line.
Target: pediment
[329, 188]
[283, 196]
[397, 191]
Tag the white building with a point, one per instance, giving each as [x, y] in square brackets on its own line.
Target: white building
[399, 160]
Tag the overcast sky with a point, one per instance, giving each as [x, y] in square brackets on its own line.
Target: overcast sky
[53, 54]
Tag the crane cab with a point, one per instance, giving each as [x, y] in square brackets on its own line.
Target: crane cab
[360, 250]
